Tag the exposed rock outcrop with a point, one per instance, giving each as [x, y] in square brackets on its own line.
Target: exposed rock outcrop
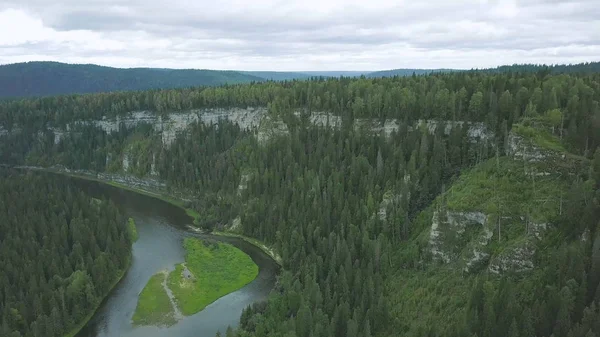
[170, 124]
[447, 229]
[521, 148]
[516, 259]
[271, 127]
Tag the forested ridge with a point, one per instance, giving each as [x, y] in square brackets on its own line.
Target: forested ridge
[351, 210]
[33, 79]
[53, 78]
[587, 67]
[60, 253]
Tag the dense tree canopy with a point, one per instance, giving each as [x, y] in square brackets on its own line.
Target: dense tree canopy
[470, 96]
[342, 206]
[60, 253]
[53, 78]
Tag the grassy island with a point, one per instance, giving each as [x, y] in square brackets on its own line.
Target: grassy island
[211, 270]
[154, 306]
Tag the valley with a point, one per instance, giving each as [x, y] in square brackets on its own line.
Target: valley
[449, 204]
[162, 229]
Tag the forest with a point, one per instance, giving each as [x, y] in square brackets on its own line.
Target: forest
[39, 79]
[53, 78]
[350, 210]
[61, 252]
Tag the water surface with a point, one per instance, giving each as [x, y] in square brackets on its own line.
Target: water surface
[162, 228]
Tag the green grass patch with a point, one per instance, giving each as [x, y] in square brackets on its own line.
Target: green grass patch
[154, 306]
[266, 249]
[506, 190]
[216, 270]
[540, 137]
[132, 230]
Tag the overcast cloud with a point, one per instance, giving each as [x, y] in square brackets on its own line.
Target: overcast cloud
[300, 34]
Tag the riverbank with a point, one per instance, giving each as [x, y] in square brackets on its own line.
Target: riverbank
[86, 320]
[132, 230]
[266, 249]
[161, 226]
[94, 177]
[171, 200]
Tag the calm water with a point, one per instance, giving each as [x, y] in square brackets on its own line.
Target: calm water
[161, 228]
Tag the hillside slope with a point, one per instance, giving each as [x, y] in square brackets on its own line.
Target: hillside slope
[508, 232]
[52, 78]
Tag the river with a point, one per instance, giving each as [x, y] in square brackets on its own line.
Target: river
[161, 228]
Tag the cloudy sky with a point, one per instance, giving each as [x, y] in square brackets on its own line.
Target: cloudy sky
[300, 34]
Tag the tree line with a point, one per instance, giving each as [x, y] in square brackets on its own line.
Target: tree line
[497, 99]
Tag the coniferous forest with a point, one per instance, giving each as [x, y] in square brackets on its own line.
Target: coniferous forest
[61, 252]
[357, 214]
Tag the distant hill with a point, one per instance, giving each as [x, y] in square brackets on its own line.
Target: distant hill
[278, 75]
[407, 72]
[337, 73]
[302, 75]
[53, 78]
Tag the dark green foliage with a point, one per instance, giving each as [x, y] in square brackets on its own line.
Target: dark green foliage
[52, 78]
[316, 194]
[587, 67]
[60, 253]
[460, 96]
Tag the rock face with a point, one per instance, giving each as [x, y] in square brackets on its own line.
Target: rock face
[147, 184]
[269, 128]
[477, 131]
[463, 238]
[516, 259]
[171, 124]
[447, 229]
[125, 163]
[252, 118]
[58, 135]
[388, 199]
[244, 178]
[324, 119]
[524, 149]
[236, 224]
[153, 171]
